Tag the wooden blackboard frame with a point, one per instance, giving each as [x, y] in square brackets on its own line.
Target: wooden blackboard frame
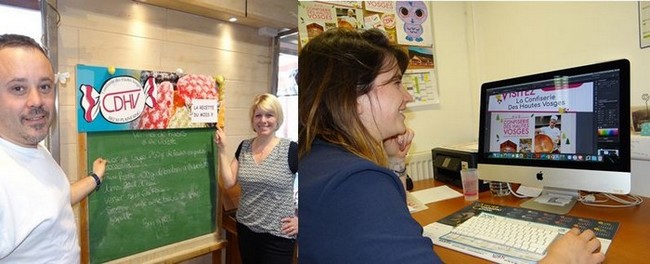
[172, 253]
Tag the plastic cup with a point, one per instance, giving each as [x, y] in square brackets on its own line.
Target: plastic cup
[469, 177]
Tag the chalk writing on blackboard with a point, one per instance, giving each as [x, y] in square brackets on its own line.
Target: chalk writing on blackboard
[159, 189]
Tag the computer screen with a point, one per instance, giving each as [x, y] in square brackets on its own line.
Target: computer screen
[567, 129]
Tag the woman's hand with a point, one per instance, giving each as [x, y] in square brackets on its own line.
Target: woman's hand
[575, 247]
[398, 146]
[289, 226]
[220, 138]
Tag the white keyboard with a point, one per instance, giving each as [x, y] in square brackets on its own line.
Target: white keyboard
[507, 236]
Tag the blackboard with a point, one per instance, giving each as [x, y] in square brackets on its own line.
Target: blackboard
[160, 188]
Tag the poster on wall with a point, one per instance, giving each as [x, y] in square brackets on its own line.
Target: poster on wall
[347, 17]
[644, 24]
[380, 6]
[114, 99]
[413, 23]
[355, 4]
[313, 19]
[381, 15]
[422, 85]
[405, 23]
[420, 57]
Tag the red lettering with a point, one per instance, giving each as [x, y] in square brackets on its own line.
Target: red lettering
[519, 93]
[121, 100]
[319, 13]
[380, 4]
[516, 127]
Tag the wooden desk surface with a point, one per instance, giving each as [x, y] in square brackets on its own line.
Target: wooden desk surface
[629, 244]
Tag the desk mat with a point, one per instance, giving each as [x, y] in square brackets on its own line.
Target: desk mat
[602, 229]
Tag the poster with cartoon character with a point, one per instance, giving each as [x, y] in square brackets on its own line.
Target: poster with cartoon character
[413, 23]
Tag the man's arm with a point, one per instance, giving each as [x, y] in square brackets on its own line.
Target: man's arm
[85, 186]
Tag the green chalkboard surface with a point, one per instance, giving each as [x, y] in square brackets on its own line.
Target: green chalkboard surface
[160, 188]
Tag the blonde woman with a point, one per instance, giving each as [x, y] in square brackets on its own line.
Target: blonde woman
[265, 167]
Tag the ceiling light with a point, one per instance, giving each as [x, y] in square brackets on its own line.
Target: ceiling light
[232, 19]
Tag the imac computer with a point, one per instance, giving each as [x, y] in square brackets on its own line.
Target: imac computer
[563, 131]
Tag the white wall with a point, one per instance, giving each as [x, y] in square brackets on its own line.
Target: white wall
[478, 42]
[518, 38]
[450, 121]
[17, 20]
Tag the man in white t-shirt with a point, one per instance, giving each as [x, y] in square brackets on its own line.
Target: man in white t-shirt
[37, 224]
[552, 131]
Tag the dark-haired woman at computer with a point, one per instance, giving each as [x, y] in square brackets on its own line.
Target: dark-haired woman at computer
[352, 208]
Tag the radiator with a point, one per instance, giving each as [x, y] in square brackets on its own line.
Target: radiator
[419, 166]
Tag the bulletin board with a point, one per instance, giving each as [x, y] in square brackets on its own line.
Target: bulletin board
[159, 199]
[406, 23]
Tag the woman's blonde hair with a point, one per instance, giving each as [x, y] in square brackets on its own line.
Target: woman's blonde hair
[267, 103]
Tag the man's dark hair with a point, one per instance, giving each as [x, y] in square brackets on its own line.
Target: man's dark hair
[16, 41]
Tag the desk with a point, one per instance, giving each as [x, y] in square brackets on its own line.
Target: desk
[629, 244]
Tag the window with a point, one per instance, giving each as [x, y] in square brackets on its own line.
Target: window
[28, 19]
[286, 88]
[29, 14]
